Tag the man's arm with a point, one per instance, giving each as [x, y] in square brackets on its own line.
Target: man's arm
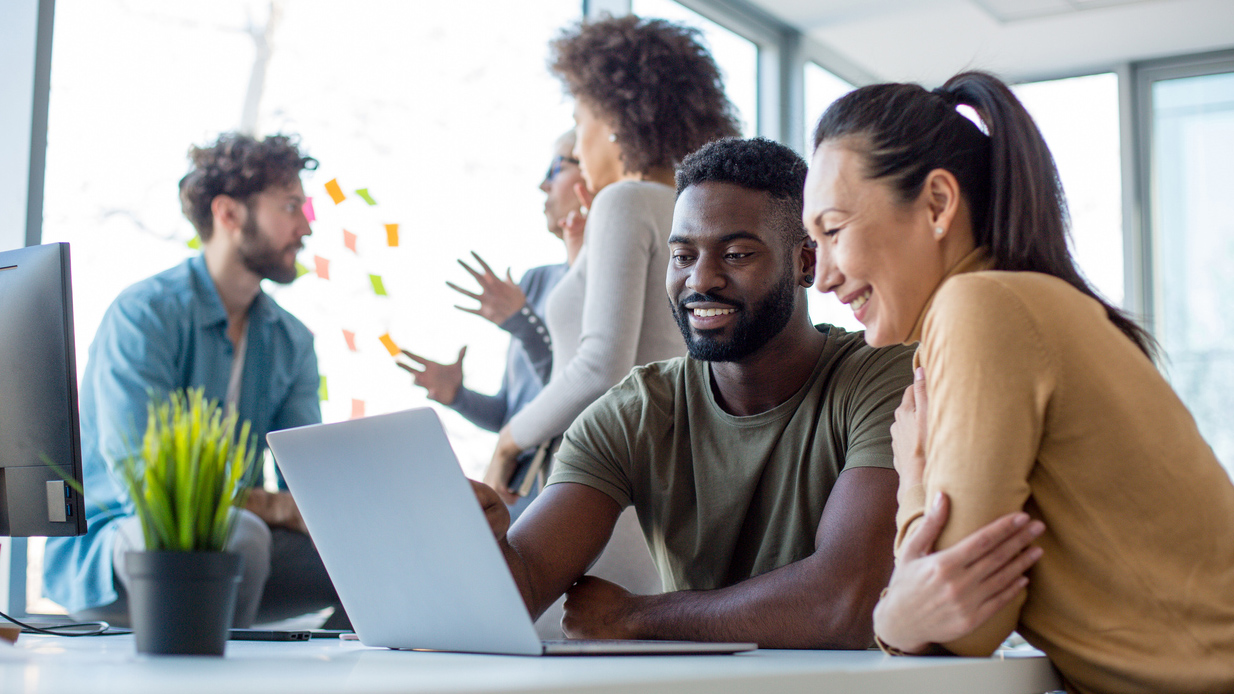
[555, 540]
[823, 601]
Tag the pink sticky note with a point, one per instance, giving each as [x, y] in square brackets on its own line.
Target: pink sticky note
[349, 240]
[323, 267]
[351, 339]
[308, 210]
[357, 408]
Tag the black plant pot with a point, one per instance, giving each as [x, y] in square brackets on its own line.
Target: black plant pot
[181, 603]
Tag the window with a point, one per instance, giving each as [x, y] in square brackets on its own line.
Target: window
[1191, 175]
[736, 56]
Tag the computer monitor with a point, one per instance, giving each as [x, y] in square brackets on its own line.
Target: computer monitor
[40, 442]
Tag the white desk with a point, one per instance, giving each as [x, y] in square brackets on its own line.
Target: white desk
[52, 665]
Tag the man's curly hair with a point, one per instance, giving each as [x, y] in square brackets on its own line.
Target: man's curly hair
[757, 164]
[652, 80]
[239, 166]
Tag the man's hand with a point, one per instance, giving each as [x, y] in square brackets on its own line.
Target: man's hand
[598, 609]
[499, 299]
[278, 510]
[495, 510]
[908, 433]
[575, 223]
[442, 381]
[501, 468]
[938, 597]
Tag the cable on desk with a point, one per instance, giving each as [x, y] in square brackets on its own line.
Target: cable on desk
[90, 628]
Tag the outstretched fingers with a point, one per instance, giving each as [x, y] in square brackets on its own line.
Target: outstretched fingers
[462, 291]
[921, 541]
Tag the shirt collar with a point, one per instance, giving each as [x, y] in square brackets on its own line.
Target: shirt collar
[207, 298]
[976, 261]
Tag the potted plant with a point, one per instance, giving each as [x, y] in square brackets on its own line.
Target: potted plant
[185, 480]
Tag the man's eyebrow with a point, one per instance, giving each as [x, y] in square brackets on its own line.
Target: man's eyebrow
[741, 235]
[678, 239]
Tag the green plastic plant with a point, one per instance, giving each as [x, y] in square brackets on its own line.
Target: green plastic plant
[189, 473]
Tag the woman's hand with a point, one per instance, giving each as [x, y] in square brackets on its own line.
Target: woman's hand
[442, 381]
[501, 468]
[938, 597]
[499, 299]
[908, 433]
[575, 223]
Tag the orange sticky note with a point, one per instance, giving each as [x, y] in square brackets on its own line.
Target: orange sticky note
[351, 339]
[323, 267]
[349, 240]
[357, 408]
[392, 234]
[389, 343]
[336, 193]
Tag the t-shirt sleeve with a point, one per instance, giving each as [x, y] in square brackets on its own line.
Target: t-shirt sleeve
[597, 450]
[989, 377]
[874, 390]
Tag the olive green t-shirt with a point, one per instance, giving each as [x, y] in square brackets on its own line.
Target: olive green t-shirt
[723, 498]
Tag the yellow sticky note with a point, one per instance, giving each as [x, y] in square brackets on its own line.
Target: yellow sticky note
[336, 193]
[195, 243]
[392, 234]
[301, 271]
[379, 287]
[363, 193]
[323, 393]
[389, 343]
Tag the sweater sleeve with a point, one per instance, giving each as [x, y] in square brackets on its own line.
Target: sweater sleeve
[989, 378]
[485, 411]
[620, 236]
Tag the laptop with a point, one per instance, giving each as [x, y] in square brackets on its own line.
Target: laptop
[407, 546]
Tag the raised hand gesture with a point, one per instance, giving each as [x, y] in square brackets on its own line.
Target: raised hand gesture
[499, 298]
[442, 381]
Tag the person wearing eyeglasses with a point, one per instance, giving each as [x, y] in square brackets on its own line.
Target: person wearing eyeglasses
[516, 307]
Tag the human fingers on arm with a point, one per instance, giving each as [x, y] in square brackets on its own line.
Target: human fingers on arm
[442, 381]
[599, 609]
[462, 291]
[495, 511]
[556, 539]
[501, 467]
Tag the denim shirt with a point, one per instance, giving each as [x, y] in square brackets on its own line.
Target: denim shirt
[161, 334]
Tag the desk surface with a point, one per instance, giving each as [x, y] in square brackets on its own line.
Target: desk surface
[110, 664]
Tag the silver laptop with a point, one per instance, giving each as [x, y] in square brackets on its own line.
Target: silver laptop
[408, 547]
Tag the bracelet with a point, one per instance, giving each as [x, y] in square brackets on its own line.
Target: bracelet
[889, 650]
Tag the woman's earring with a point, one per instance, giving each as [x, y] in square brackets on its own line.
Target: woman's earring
[938, 232]
[612, 137]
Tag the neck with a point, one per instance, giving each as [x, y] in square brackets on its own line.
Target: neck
[775, 372]
[660, 174]
[237, 286]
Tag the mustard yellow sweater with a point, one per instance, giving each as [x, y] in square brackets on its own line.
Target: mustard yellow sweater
[1038, 402]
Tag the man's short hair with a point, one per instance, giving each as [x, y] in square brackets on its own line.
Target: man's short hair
[757, 164]
[239, 166]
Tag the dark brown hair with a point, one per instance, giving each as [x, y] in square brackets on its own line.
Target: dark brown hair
[1007, 177]
[238, 166]
[652, 80]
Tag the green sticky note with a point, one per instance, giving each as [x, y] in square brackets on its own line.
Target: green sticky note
[194, 243]
[363, 193]
[300, 269]
[379, 287]
[323, 393]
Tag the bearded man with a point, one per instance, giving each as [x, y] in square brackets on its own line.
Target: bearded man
[760, 465]
[206, 324]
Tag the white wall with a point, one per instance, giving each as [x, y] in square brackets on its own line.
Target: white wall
[18, 34]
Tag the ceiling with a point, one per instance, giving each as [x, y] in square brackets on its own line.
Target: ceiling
[929, 40]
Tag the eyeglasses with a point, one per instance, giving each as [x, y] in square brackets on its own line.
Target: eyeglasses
[555, 167]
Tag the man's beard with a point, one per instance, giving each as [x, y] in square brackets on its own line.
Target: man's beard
[753, 329]
[260, 257]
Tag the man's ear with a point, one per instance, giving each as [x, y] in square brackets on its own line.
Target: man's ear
[229, 214]
[807, 260]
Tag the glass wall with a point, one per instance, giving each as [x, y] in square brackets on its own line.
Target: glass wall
[1191, 179]
[736, 55]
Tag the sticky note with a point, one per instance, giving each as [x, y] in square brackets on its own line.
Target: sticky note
[323, 267]
[323, 393]
[357, 408]
[392, 234]
[349, 240]
[379, 288]
[389, 343]
[308, 210]
[351, 340]
[363, 193]
[301, 271]
[194, 243]
[336, 193]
